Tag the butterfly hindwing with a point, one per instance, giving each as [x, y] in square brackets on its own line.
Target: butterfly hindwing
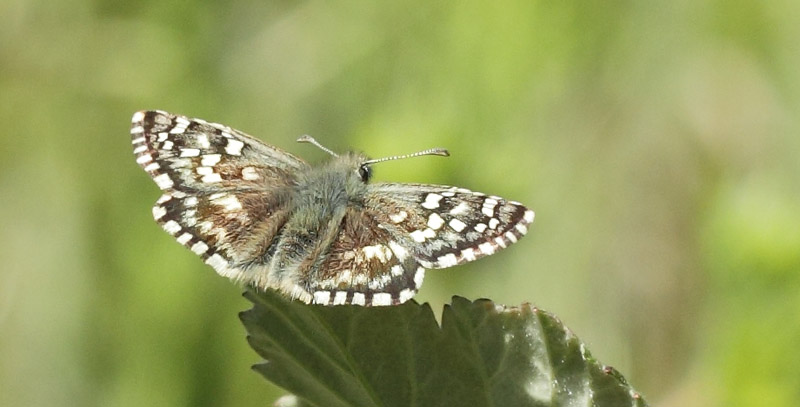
[364, 265]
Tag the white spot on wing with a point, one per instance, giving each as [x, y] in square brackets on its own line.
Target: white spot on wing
[234, 147]
[459, 209]
[522, 229]
[379, 251]
[199, 248]
[340, 297]
[511, 237]
[493, 222]
[406, 295]
[382, 299]
[397, 270]
[447, 260]
[171, 227]
[205, 226]
[178, 129]
[137, 117]
[229, 202]
[399, 251]
[419, 276]
[190, 152]
[184, 238]
[202, 141]
[488, 206]
[457, 225]
[151, 167]
[163, 181]
[218, 263]
[487, 248]
[528, 216]
[210, 178]
[249, 174]
[432, 201]
[144, 158]
[158, 212]
[398, 217]
[210, 160]
[435, 221]
[468, 254]
[137, 140]
[480, 227]
[422, 235]
[322, 297]
[359, 299]
[137, 130]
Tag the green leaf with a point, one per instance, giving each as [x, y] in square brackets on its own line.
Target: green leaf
[482, 355]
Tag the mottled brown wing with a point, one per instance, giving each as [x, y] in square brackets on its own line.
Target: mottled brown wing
[364, 265]
[225, 194]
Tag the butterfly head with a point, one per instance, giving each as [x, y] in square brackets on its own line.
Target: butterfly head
[362, 164]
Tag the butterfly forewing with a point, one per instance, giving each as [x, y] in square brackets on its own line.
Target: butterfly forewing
[444, 226]
[192, 155]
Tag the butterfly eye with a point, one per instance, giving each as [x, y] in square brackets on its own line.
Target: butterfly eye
[365, 172]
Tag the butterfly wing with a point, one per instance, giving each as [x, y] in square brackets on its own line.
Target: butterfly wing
[385, 246]
[444, 226]
[195, 156]
[364, 265]
[225, 195]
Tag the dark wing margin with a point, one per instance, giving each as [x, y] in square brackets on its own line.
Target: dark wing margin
[444, 226]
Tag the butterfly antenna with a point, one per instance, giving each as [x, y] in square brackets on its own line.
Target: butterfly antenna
[308, 139]
[431, 151]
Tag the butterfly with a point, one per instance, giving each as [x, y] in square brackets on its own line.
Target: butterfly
[320, 234]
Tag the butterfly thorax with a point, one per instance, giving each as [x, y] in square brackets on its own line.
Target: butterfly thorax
[326, 189]
[323, 195]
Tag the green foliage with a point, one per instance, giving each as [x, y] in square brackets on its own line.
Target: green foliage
[483, 354]
[656, 141]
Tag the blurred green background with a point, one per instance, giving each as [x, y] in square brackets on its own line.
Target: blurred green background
[656, 141]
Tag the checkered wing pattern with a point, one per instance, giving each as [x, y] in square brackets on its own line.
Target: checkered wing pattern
[264, 217]
[225, 194]
[444, 226]
[365, 265]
